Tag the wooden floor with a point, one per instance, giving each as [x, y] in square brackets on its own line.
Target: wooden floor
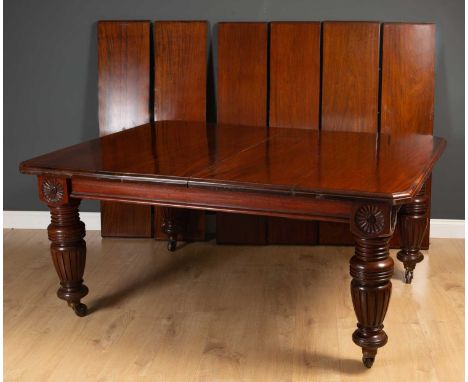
[224, 313]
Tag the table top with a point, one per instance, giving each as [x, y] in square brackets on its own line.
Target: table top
[284, 160]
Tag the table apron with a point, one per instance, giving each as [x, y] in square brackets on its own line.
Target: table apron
[245, 202]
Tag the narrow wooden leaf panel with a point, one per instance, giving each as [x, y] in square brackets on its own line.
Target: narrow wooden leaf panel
[350, 91]
[242, 99]
[408, 78]
[124, 90]
[408, 83]
[180, 63]
[294, 102]
[294, 74]
[242, 73]
[350, 76]
[180, 50]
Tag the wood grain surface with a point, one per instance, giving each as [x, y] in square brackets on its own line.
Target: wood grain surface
[283, 65]
[294, 75]
[408, 71]
[124, 74]
[350, 70]
[242, 99]
[180, 64]
[390, 168]
[407, 97]
[408, 78]
[124, 102]
[225, 313]
[242, 73]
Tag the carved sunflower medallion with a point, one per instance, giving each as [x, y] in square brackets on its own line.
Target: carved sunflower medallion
[370, 219]
[52, 190]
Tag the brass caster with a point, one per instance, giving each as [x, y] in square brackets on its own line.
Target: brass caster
[368, 361]
[408, 276]
[80, 309]
[171, 245]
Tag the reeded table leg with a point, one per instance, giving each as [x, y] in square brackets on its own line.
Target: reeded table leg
[371, 268]
[172, 225]
[68, 249]
[413, 220]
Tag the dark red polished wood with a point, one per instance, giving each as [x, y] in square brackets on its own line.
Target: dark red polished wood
[377, 166]
[294, 100]
[242, 73]
[294, 74]
[407, 98]
[408, 78]
[350, 75]
[66, 233]
[413, 221]
[408, 74]
[407, 68]
[180, 61]
[124, 102]
[350, 89]
[123, 93]
[292, 147]
[202, 171]
[371, 268]
[242, 99]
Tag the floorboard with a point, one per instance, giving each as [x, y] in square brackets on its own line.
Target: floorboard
[224, 313]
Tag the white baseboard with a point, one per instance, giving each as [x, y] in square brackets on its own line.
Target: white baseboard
[440, 228]
[41, 219]
[448, 228]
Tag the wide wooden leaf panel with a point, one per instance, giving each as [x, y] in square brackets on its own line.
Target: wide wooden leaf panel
[180, 62]
[124, 102]
[407, 98]
[242, 99]
[350, 91]
[294, 101]
[408, 74]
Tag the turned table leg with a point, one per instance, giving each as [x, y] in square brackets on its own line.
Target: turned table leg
[371, 268]
[172, 225]
[66, 232]
[413, 220]
[68, 249]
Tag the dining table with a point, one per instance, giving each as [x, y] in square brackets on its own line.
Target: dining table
[366, 180]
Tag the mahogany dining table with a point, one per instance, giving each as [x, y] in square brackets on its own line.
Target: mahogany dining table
[368, 180]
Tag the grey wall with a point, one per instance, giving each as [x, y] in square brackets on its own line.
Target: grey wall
[50, 73]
